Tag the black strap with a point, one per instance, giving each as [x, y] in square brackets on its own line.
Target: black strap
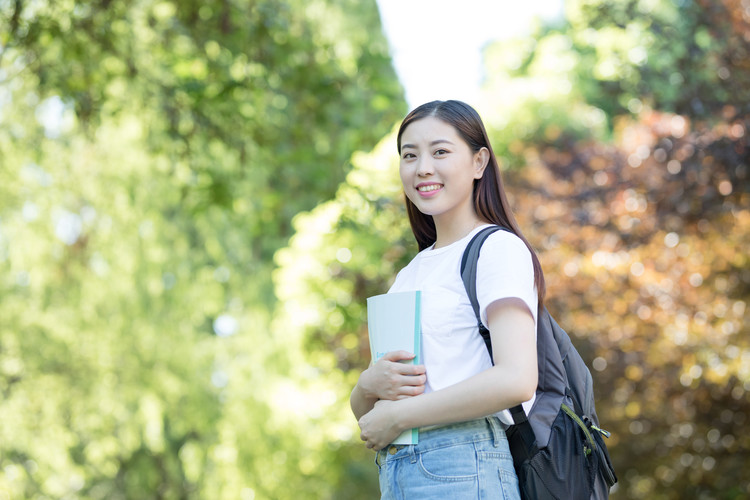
[521, 438]
[469, 263]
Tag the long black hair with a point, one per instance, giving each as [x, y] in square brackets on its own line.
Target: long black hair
[490, 201]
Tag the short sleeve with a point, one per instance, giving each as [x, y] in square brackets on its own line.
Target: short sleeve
[505, 270]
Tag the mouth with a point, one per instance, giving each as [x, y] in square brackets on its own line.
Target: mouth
[429, 188]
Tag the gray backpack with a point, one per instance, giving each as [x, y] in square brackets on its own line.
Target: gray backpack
[558, 450]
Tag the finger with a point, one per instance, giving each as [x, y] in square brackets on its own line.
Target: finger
[398, 356]
[410, 369]
[413, 380]
[411, 390]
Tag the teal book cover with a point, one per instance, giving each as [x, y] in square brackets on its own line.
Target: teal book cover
[394, 323]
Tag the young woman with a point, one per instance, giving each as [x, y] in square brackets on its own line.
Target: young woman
[457, 397]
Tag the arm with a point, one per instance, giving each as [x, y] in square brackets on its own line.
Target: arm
[387, 379]
[511, 381]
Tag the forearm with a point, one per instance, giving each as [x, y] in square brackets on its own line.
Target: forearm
[511, 381]
[389, 378]
[361, 402]
[486, 393]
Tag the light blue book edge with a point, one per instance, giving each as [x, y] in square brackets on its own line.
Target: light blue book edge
[417, 346]
[392, 319]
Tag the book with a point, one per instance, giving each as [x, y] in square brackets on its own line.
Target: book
[393, 324]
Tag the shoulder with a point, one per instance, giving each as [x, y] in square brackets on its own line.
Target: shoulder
[505, 244]
[505, 256]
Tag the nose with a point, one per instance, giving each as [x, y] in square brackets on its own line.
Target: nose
[424, 167]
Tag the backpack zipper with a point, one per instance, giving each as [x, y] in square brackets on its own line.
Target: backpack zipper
[589, 437]
[604, 433]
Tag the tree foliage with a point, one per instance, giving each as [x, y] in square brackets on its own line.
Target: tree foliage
[152, 156]
[344, 251]
[234, 100]
[689, 57]
[645, 252]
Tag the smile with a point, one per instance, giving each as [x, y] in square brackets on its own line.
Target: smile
[429, 187]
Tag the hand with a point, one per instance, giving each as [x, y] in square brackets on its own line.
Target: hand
[379, 427]
[389, 379]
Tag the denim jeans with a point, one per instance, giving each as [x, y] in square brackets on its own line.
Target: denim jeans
[465, 461]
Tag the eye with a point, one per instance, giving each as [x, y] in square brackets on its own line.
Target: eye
[441, 152]
[406, 156]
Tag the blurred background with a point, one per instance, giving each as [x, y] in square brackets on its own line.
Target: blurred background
[197, 197]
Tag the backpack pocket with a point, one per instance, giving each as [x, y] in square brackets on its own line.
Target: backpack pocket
[566, 467]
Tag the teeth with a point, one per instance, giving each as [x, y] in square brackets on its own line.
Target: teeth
[431, 187]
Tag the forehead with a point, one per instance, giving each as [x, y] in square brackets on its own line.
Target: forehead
[427, 130]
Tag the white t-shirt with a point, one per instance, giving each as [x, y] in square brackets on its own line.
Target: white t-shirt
[452, 348]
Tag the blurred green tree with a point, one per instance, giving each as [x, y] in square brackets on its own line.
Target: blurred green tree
[152, 156]
[344, 251]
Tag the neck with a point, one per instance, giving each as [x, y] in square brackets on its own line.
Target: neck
[449, 231]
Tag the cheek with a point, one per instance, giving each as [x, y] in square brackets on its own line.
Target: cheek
[407, 183]
[405, 177]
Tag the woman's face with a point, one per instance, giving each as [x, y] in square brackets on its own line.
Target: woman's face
[438, 169]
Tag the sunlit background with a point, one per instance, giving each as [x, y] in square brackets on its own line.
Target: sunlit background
[436, 45]
[196, 198]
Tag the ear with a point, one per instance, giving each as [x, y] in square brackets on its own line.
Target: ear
[481, 159]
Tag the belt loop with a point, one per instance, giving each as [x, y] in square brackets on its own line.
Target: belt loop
[497, 431]
[412, 453]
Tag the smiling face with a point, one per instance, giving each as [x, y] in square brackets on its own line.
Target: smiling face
[438, 169]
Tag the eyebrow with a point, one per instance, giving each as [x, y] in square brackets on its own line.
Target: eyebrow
[433, 143]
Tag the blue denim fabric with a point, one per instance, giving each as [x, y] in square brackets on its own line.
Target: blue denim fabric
[465, 461]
